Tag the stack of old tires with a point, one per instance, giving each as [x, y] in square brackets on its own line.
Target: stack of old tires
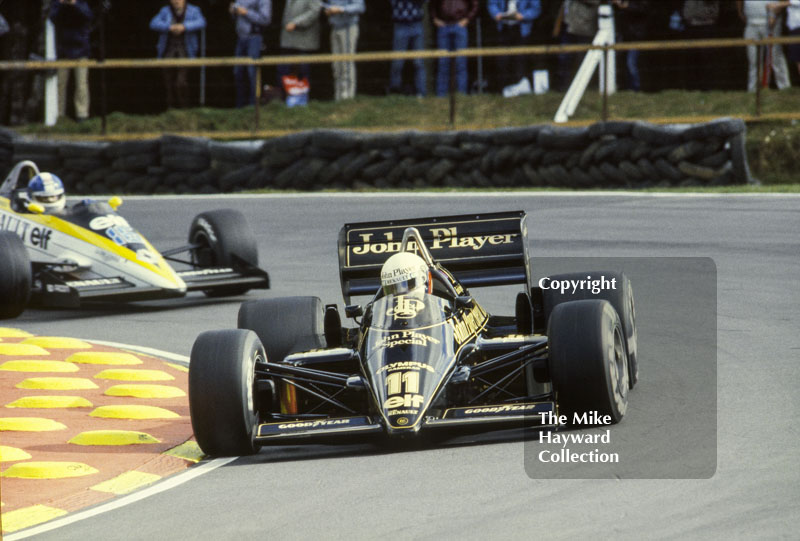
[618, 154]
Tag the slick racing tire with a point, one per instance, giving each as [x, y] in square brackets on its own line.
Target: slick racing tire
[223, 239]
[587, 359]
[620, 298]
[223, 402]
[15, 276]
[285, 325]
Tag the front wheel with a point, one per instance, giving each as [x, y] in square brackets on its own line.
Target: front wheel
[620, 297]
[223, 399]
[588, 361]
[222, 238]
[15, 275]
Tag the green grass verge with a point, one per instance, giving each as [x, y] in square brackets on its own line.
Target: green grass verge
[773, 146]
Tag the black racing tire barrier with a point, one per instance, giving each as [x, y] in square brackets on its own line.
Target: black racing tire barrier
[563, 138]
[15, 275]
[587, 156]
[449, 153]
[237, 179]
[307, 175]
[386, 140]
[516, 136]
[552, 157]
[587, 359]
[609, 154]
[353, 169]
[375, 171]
[337, 140]
[223, 399]
[220, 237]
[741, 168]
[667, 170]
[117, 150]
[617, 128]
[686, 151]
[648, 170]
[473, 149]
[294, 141]
[278, 159]
[284, 325]
[233, 153]
[723, 128]
[115, 180]
[655, 135]
[85, 151]
[186, 162]
[621, 298]
[83, 165]
[133, 162]
[633, 173]
[614, 174]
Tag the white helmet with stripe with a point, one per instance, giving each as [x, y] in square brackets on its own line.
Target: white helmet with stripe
[47, 190]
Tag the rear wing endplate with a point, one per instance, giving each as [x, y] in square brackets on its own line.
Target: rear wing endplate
[478, 249]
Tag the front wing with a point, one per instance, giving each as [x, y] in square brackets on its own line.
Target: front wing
[52, 289]
[462, 420]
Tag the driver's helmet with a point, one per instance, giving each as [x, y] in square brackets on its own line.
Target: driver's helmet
[403, 273]
[47, 190]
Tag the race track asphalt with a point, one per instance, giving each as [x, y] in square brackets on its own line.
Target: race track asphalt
[479, 487]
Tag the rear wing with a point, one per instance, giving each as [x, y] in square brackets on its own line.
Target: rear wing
[478, 249]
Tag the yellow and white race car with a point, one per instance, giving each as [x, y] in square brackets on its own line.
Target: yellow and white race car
[89, 252]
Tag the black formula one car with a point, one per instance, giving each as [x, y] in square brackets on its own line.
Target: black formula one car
[89, 252]
[427, 360]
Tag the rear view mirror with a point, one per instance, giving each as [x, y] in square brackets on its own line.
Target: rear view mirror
[35, 208]
[353, 310]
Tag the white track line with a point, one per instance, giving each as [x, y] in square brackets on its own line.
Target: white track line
[160, 486]
[437, 195]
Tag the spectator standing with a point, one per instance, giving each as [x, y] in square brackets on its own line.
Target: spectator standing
[514, 24]
[407, 17]
[580, 22]
[762, 20]
[178, 26]
[252, 18]
[343, 17]
[793, 25]
[631, 25]
[451, 18]
[299, 35]
[700, 18]
[73, 22]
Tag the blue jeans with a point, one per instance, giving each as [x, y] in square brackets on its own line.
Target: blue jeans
[632, 61]
[408, 37]
[451, 37]
[245, 76]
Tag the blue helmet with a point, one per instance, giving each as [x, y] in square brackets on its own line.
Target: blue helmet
[47, 190]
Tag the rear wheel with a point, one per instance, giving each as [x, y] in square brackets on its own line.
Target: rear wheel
[285, 325]
[223, 399]
[621, 298]
[15, 275]
[587, 359]
[222, 238]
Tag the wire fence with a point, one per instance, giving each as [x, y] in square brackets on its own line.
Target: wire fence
[535, 51]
